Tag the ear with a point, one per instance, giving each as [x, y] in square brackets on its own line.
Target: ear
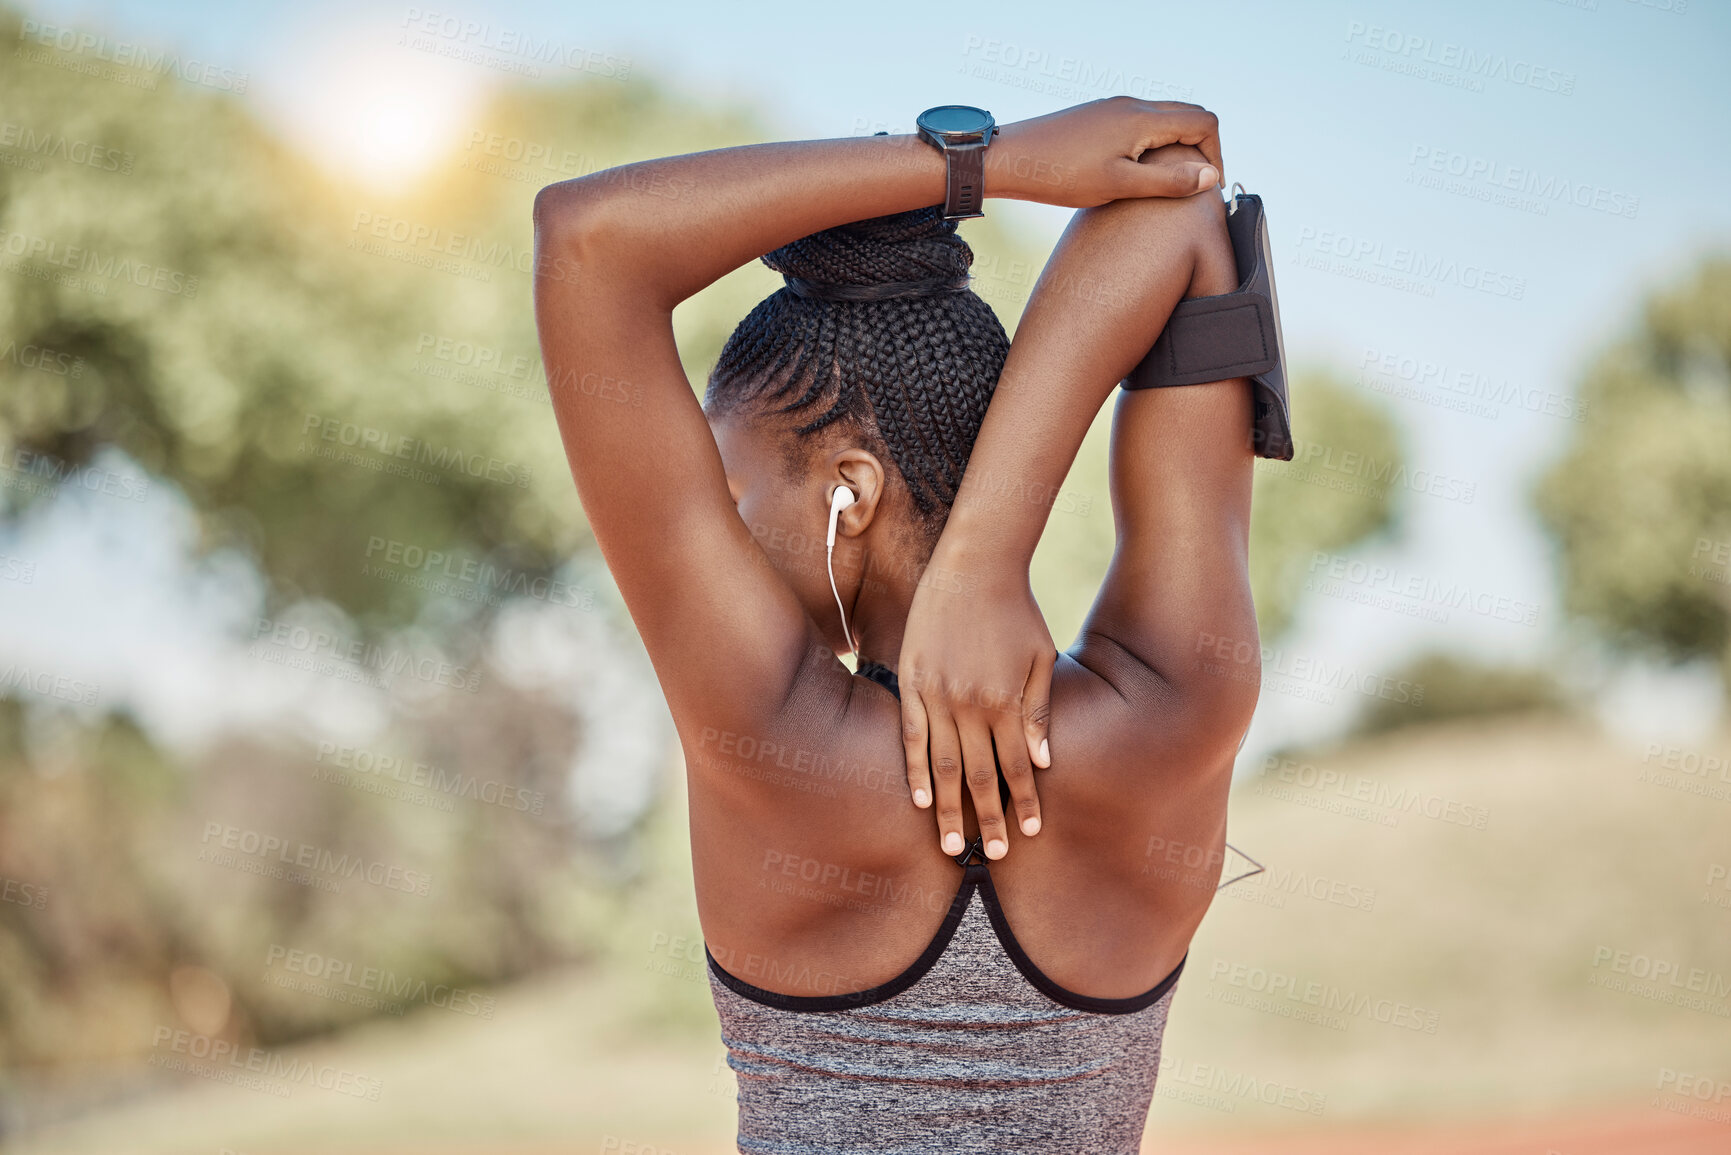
[863, 473]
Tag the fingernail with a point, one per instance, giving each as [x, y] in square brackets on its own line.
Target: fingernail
[952, 843]
[1030, 826]
[922, 799]
[996, 848]
[1045, 752]
[1208, 177]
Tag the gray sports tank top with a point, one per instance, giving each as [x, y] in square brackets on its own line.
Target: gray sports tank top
[972, 1049]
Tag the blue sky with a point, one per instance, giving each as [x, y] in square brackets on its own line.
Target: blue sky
[1351, 119]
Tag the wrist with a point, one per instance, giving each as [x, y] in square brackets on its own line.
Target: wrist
[1014, 171]
[985, 541]
[1004, 166]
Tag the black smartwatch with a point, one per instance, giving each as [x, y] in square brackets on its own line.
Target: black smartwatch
[961, 132]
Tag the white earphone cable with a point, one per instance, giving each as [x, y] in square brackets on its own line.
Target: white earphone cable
[829, 562]
[836, 505]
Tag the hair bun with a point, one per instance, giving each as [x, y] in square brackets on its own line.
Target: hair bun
[913, 254]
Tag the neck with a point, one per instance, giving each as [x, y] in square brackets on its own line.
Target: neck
[879, 614]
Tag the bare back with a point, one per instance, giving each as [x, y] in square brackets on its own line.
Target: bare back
[813, 868]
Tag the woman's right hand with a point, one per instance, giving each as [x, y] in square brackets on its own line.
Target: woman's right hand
[1088, 155]
[976, 683]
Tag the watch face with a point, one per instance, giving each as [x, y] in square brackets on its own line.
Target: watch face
[955, 120]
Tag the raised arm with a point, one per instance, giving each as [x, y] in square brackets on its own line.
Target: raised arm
[617, 250]
[1181, 474]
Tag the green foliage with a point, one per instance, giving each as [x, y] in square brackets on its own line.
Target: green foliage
[82, 945]
[437, 857]
[1450, 687]
[1335, 493]
[1639, 505]
[270, 314]
[207, 304]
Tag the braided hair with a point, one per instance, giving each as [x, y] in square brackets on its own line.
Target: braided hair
[876, 331]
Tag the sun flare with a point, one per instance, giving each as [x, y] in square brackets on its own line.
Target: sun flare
[378, 110]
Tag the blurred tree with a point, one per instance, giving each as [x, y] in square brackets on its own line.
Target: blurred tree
[436, 857]
[1457, 687]
[177, 286]
[280, 345]
[83, 946]
[1639, 505]
[1340, 489]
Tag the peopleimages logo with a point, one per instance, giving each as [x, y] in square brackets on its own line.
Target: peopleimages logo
[1235, 1087]
[442, 241]
[1365, 258]
[1037, 70]
[1456, 64]
[343, 981]
[130, 55]
[326, 651]
[1459, 387]
[399, 447]
[43, 359]
[425, 775]
[43, 472]
[223, 842]
[209, 1056]
[1374, 793]
[1544, 188]
[450, 35]
[466, 578]
[15, 678]
[1281, 881]
[1333, 573]
[25, 894]
[58, 146]
[79, 259]
[1303, 676]
[1281, 989]
[1661, 979]
[1354, 472]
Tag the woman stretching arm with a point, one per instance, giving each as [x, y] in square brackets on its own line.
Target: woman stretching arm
[1181, 472]
[871, 990]
[617, 250]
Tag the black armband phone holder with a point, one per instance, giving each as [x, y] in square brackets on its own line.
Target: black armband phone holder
[1235, 334]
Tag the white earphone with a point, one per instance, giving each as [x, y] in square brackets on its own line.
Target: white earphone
[838, 501]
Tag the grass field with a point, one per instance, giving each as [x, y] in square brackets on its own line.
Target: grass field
[1430, 963]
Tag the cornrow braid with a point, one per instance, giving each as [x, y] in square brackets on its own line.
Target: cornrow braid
[877, 328]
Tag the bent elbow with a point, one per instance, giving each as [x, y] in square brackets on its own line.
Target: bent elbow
[1220, 689]
[1220, 709]
[569, 219]
[1209, 708]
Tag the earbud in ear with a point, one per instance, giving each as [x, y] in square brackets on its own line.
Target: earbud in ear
[838, 501]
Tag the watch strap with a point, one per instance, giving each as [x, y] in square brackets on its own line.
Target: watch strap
[966, 185]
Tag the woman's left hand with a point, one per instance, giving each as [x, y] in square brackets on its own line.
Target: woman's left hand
[976, 678]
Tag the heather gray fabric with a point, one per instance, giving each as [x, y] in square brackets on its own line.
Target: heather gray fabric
[971, 1057]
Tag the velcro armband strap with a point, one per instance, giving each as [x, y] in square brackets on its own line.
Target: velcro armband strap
[1211, 339]
[1234, 334]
